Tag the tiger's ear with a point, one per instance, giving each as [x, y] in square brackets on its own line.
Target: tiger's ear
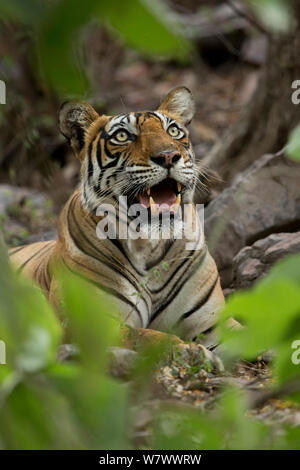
[75, 117]
[179, 103]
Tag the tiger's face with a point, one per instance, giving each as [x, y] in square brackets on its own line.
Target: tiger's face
[146, 156]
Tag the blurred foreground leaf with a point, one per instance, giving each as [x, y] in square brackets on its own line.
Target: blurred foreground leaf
[293, 148]
[144, 25]
[225, 428]
[266, 311]
[92, 318]
[147, 25]
[274, 14]
[28, 325]
[28, 12]
[270, 313]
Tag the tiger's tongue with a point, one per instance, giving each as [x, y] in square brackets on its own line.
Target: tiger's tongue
[162, 194]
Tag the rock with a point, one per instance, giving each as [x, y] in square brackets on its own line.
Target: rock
[13, 195]
[41, 237]
[260, 201]
[122, 361]
[24, 211]
[253, 262]
[254, 50]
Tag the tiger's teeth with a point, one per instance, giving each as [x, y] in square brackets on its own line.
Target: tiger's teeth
[153, 207]
[148, 192]
[178, 199]
[178, 187]
[177, 203]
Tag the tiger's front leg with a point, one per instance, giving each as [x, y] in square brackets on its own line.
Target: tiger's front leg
[189, 304]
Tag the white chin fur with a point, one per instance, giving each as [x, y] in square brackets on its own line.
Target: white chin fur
[156, 231]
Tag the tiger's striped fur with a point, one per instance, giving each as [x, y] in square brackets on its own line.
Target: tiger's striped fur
[186, 295]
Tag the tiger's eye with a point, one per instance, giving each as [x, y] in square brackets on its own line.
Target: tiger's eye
[173, 131]
[121, 136]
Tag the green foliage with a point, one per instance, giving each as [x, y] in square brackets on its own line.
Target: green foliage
[270, 313]
[274, 14]
[145, 25]
[226, 428]
[32, 334]
[273, 303]
[46, 404]
[26, 12]
[293, 148]
[91, 318]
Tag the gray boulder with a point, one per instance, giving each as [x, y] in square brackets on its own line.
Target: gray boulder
[264, 199]
[253, 262]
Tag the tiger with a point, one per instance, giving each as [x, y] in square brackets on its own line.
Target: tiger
[148, 158]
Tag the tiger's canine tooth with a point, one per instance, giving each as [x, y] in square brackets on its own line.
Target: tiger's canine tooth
[177, 203]
[178, 187]
[153, 207]
[148, 191]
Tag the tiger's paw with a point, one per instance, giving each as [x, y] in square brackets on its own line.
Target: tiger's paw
[139, 338]
[197, 354]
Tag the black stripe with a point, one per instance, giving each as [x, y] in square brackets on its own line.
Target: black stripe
[109, 290]
[202, 301]
[40, 251]
[119, 246]
[175, 291]
[188, 258]
[98, 153]
[16, 250]
[90, 163]
[92, 255]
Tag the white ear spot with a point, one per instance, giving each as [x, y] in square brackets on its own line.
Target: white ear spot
[179, 103]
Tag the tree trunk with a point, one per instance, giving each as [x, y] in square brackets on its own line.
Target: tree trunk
[267, 121]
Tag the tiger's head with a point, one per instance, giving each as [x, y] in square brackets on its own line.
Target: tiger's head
[146, 156]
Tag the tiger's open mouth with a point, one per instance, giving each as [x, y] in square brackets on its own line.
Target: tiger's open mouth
[164, 196]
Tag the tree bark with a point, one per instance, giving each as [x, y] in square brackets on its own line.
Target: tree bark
[266, 122]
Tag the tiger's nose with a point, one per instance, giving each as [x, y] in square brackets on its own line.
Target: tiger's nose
[166, 159]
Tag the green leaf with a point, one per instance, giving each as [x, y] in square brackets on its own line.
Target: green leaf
[284, 366]
[227, 427]
[99, 404]
[274, 14]
[185, 430]
[266, 312]
[288, 269]
[25, 12]
[28, 325]
[293, 148]
[56, 46]
[147, 25]
[144, 25]
[291, 438]
[36, 416]
[93, 319]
